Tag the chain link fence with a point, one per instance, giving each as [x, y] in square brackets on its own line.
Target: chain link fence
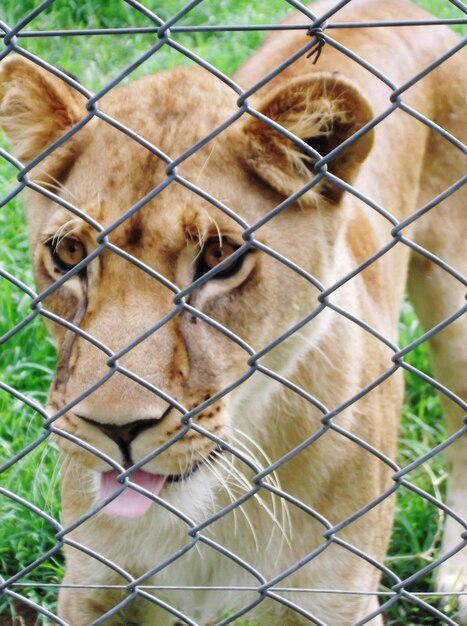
[174, 585]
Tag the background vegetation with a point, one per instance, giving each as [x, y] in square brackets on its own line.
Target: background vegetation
[27, 359]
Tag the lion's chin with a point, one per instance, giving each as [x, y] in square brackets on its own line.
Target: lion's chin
[129, 503]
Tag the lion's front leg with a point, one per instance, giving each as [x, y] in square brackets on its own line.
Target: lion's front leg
[453, 572]
[447, 350]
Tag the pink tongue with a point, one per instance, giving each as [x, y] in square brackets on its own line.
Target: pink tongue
[130, 503]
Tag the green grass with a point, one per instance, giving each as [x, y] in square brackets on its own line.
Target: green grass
[98, 59]
[416, 536]
[27, 359]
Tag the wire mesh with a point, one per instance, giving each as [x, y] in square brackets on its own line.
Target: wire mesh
[235, 576]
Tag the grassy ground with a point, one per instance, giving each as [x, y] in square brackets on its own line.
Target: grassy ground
[27, 360]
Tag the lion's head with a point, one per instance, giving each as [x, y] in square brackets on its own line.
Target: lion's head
[154, 252]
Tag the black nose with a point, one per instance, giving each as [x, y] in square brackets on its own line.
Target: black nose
[123, 434]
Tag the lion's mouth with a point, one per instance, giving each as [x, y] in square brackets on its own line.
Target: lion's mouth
[132, 503]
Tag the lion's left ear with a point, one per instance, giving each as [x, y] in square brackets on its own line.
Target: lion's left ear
[36, 107]
[323, 110]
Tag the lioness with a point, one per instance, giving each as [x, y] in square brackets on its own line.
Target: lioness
[192, 403]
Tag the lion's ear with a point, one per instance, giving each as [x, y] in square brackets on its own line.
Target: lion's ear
[321, 109]
[36, 107]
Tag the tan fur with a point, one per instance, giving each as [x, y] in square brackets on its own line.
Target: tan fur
[250, 168]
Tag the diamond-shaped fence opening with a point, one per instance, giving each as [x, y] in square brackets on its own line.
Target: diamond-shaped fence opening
[225, 392]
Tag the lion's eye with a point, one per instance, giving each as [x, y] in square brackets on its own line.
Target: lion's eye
[66, 253]
[213, 253]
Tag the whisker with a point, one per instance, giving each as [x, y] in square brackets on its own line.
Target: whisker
[227, 488]
[65, 230]
[283, 519]
[272, 514]
[57, 186]
[315, 347]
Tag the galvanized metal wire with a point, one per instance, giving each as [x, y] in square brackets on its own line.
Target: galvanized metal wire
[320, 30]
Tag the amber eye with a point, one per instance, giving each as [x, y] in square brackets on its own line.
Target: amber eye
[66, 253]
[213, 253]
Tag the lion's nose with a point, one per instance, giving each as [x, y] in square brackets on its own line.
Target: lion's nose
[123, 434]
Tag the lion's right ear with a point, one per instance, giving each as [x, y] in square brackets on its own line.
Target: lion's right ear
[36, 107]
[323, 110]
